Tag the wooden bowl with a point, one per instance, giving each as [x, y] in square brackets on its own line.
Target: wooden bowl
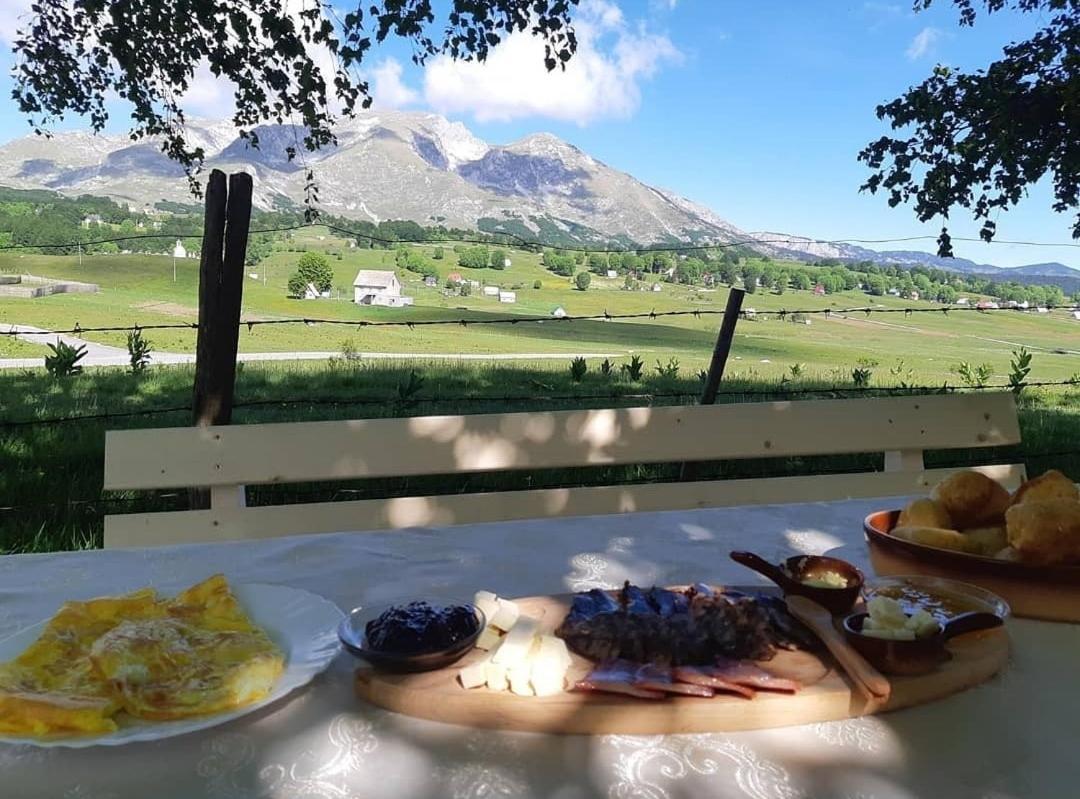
[878, 527]
[1036, 592]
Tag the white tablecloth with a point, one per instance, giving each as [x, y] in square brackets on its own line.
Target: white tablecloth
[1016, 736]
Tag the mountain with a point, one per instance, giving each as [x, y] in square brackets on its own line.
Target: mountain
[423, 167]
[387, 165]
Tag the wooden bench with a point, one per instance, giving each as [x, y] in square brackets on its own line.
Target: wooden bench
[226, 459]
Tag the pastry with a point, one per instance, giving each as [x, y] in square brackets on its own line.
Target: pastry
[971, 499]
[1051, 485]
[925, 513]
[1045, 532]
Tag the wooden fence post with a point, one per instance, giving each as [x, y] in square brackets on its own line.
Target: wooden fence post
[723, 346]
[221, 283]
[689, 471]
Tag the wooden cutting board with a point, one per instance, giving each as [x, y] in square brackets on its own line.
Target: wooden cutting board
[827, 695]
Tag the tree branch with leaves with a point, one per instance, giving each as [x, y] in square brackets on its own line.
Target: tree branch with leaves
[978, 140]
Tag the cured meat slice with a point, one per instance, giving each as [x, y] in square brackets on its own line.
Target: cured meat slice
[661, 678]
[617, 677]
[711, 677]
[752, 676]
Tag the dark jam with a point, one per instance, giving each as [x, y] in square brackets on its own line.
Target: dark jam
[419, 627]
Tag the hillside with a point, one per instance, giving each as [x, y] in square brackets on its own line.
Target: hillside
[421, 167]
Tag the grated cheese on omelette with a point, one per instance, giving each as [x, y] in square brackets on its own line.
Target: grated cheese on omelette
[138, 654]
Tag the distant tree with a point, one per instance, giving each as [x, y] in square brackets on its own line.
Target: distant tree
[598, 263]
[750, 275]
[579, 258]
[729, 272]
[923, 284]
[498, 259]
[947, 294]
[476, 257]
[582, 280]
[876, 285]
[437, 253]
[296, 286]
[977, 140]
[537, 284]
[802, 281]
[465, 288]
[314, 268]
[782, 281]
[615, 260]
[689, 270]
[630, 262]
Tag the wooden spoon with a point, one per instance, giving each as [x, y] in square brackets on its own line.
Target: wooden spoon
[818, 619]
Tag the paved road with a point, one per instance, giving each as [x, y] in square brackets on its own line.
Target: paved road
[105, 355]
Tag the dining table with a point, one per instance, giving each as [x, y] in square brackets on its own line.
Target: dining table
[1013, 737]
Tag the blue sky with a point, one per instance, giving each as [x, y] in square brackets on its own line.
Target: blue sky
[755, 108]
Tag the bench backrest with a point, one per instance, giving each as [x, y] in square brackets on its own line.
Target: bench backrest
[225, 459]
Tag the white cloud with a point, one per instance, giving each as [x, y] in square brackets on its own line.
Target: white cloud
[602, 80]
[923, 43]
[388, 90]
[208, 95]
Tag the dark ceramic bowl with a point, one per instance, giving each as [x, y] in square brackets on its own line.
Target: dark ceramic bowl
[878, 527]
[920, 656]
[351, 631]
[790, 575]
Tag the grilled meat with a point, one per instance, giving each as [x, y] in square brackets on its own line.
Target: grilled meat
[692, 627]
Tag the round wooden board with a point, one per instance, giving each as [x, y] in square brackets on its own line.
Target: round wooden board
[827, 695]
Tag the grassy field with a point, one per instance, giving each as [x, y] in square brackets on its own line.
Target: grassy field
[51, 475]
[140, 290]
[50, 486]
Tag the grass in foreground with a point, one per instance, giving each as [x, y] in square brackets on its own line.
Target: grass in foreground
[50, 485]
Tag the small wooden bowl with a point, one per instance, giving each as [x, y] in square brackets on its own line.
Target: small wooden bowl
[794, 570]
[920, 656]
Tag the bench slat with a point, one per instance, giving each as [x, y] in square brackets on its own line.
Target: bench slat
[155, 529]
[337, 450]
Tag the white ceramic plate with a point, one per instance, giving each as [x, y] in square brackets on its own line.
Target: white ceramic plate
[302, 624]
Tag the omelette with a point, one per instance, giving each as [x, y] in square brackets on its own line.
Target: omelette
[140, 654]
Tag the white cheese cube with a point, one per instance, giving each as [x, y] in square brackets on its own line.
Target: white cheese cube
[488, 603]
[555, 648]
[549, 665]
[519, 679]
[518, 643]
[496, 676]
[474, 675]
[489, 638]
[506, 616]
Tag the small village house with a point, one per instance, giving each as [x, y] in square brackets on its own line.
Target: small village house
[431, 281]
[819, 290]
[379, 287]
[612, 273]
[560, 312]
[491, 291]
[507, 296]
[454, 277]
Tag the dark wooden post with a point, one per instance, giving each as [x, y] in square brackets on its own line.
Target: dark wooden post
[689, 471]
[221, 283]
[723, 346]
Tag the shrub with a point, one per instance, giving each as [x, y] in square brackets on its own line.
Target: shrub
[974, 376]
[465, 289]
[860, 376]
[670, 370]
[607, 367]
[1020, 368]
[582, 281]
[296, 286]
[64, 362]
[634, 369]
[578, 368]
[138, 351]
[407, 391]
[538, 285]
